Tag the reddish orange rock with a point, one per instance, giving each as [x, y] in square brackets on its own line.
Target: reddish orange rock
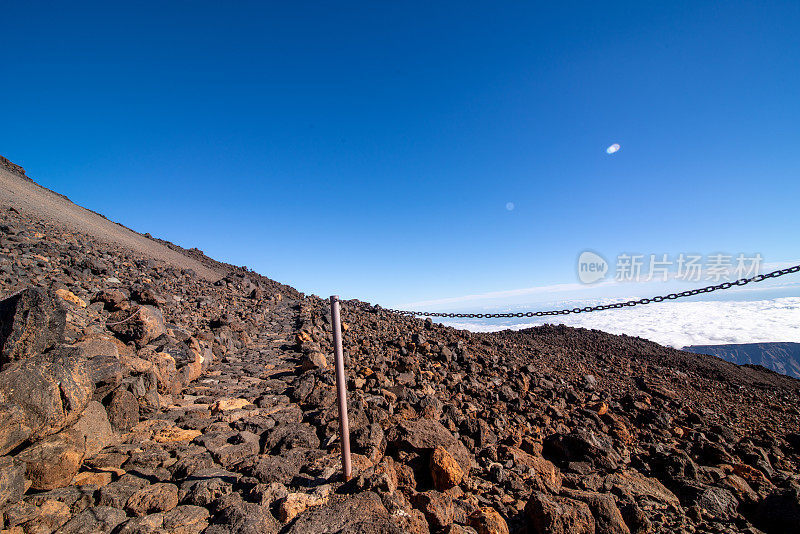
[445, 470]
[486, 520]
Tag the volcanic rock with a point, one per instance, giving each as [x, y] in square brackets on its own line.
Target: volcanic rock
[51, 390]
[94, 520]
[12, 480]
[559, 515]
[139, 324]
[95, 428]
[445, 470]
[54, 461]
[160, 497]
[31, 322]
[486, 520]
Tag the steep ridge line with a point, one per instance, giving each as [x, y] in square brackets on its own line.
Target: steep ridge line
[24, 194]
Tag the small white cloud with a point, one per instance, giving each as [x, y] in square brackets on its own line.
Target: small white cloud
[613, 148]
[510, 206]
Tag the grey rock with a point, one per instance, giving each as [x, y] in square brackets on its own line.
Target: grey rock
[148, 524]
[362, 513]
[186, 519]
[95, 428]
[140, 324]
[289, 436]
[75, 498]
[94, 520]
[243, 518]
[206, 486]
[12, 480]
[117, 493]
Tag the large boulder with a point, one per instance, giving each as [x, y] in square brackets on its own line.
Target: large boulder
[140, 324]
[49, 391]
[200, 357]
[186, 519]
[94, 520]
[780, 510]
[290, 436]
[105, 367]
[165, 370]
[717, 502]
[445, 470]
[608, 518]
[31, 322]
[436, 506]
[544, 475]
[53, 462]
[362, 513]
[95, 428]
[296, 503]
[242, 517]
[486, 520]
[423, 436]
[161, 497]
[635, 486]
[559, 515]
[582, 445]
[117, 493]
[206, 485]
[37, 519]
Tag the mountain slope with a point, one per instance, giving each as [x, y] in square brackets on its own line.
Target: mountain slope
[180, 403]
[23, 194]
[783, 357]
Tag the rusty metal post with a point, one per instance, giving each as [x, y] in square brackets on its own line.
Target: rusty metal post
[341, 386]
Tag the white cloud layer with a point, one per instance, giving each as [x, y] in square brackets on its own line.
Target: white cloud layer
[678, 324]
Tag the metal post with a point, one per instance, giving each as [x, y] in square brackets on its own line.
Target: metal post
[341, 387]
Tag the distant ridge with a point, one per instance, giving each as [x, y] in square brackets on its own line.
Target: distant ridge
[782, 357]
[12, 167]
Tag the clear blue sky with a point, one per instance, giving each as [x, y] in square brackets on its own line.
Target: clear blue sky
[370, 149]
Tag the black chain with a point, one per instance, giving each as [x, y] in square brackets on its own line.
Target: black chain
[601, 307]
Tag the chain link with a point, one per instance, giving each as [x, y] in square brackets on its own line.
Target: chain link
[587, 309]
[131, 316]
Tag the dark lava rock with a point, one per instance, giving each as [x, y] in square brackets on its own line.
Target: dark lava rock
[50, 391]
[94, 520]
[581, 445]
[363, 513]
[559, 515]
[780, 510]
[31, 322]
[12, 480]
[139, 324]
[242, 517]
[123, 410]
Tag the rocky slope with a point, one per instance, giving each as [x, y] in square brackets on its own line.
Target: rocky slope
[137, 396]
[782, 358]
